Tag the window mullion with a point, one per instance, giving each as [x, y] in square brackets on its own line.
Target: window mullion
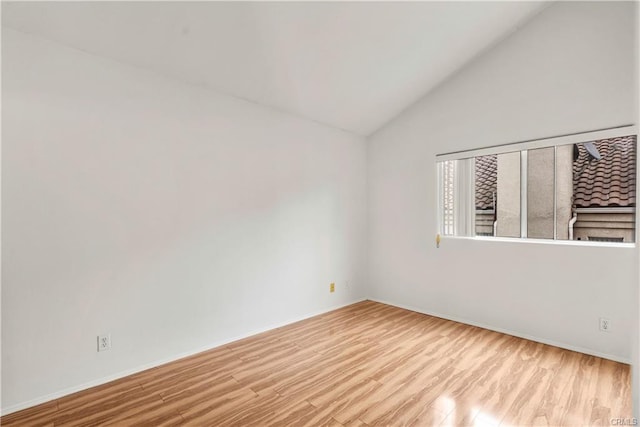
[523, 194]
[555, 193]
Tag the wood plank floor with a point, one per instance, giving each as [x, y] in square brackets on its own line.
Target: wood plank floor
[367, 364]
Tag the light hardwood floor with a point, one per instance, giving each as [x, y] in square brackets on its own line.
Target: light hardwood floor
[365, 364]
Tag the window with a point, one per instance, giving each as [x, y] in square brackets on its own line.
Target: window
[579, 187]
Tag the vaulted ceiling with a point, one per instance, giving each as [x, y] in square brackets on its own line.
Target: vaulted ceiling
[351, 65]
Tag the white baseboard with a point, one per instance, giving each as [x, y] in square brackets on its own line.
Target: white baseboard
[70, 390]
[509, 332]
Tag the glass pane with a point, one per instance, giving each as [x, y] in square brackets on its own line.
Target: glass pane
[564, 190]
[508, 195]
[540, 197]
[603, 190]
[486, 180]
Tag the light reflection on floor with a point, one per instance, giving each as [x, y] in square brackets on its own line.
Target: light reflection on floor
[475, 417]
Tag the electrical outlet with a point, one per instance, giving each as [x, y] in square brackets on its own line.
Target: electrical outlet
[605, 324]
[332, 287]
[104, 342]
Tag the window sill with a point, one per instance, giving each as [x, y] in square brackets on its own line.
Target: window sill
[583, 243]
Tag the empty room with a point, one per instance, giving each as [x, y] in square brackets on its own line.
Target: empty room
[319, 213]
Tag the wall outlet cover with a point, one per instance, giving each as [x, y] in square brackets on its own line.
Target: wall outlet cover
[104, 342]
[605, 324]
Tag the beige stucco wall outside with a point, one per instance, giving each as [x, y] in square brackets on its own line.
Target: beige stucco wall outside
[508, 215]
[605, 225]
[564, 190]
[540, 197]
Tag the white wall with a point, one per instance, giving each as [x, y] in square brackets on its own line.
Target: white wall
[171, 217]
[570, 69]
